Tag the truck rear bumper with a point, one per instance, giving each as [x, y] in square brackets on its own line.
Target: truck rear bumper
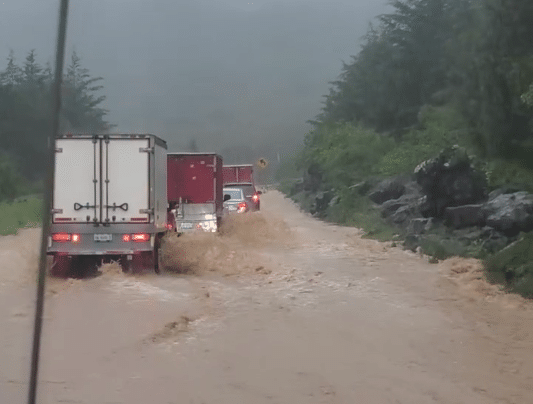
[86, 241]
[186, 225]
[95, 252]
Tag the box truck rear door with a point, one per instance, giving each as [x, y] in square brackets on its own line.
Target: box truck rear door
[77, 181]
[126, 180]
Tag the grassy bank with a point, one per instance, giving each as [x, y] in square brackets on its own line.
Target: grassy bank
[20, 213]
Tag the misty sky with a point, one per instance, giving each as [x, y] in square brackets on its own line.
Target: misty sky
[222, 71]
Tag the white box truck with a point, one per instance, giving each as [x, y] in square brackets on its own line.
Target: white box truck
[109, 201]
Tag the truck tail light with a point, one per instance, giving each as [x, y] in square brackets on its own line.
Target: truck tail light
[241, 207]
[255, 198]
[66, 237]
[140, 237]
[126, 238]
[61, 237]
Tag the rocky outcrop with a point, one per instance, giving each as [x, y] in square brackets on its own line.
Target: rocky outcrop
[450, 180]
[510, 213]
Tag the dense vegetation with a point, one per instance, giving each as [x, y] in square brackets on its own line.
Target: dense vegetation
[25, 109]
[429, 75]
[433, 73]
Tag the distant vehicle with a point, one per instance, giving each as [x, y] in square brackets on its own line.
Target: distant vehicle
[194, 187]
[238, 173]
[236, 203]
[251, 195]
[109, 200]
[242, 176]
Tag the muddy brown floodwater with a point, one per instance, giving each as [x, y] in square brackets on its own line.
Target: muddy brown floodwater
[279, 308]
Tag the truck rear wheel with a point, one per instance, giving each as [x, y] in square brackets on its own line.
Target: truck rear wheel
[61, 266]
[126, 264]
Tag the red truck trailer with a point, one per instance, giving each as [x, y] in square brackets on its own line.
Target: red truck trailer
[239, 173]
[194, 191]
[242, 176]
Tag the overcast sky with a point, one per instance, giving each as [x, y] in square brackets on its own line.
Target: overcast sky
[225, 72]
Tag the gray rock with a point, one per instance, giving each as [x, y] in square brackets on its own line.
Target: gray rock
[450, 180]
[404, 214]
[464, 216]
[391, 206]
[510, 213]
[333, 201]
[388, 189]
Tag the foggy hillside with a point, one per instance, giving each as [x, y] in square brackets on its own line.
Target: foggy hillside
[223, 72]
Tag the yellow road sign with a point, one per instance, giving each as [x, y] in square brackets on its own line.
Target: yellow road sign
[262, 162]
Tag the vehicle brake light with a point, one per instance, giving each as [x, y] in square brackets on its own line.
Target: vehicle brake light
[255, 198]
[140, 237]
[241, 207]
[126, 238]
[61, 237]
[169, 226]
[75, 238]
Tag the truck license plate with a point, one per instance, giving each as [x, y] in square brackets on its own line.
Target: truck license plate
[103, 237]
[186, 225]
[232, 207]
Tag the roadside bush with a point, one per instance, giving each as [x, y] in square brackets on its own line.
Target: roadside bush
[11, 182]
[346, 153]
[353, 209]
[505, 173]
[513, 266]
[439, 128]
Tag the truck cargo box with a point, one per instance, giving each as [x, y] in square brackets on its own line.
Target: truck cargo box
[109, 195]
[238, 173]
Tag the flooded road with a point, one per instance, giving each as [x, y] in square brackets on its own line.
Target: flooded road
[281, 308]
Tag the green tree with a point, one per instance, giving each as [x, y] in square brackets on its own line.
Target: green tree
[13, 73]
[81, 104]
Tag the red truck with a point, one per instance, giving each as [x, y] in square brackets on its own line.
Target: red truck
[194, 191]
[233, 174]
[242, 176]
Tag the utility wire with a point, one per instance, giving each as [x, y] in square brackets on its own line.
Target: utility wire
[54, 131]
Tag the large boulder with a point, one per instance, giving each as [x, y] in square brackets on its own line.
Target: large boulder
[402, 210]
[450, 179]
[510, 213]
[391, 188]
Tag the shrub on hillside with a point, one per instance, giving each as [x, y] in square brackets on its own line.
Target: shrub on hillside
[513, 266]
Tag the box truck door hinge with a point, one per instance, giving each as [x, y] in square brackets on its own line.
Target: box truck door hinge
[59, 150]
[146, 149]
[148, 211]
[53, 211]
